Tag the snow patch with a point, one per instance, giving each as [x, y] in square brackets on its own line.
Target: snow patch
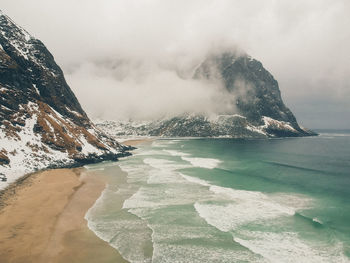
[27, 153]
[74, 112]
[280, 124]
[36, 89]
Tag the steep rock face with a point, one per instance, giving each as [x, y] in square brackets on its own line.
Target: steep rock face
[41, 121]
[256, 91]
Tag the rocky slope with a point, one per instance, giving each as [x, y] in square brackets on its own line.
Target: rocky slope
[257, 109]
[41, 121]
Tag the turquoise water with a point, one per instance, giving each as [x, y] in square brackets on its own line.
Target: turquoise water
[225, 200]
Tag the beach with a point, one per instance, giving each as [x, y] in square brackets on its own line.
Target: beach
[42, 219]
[135, 142]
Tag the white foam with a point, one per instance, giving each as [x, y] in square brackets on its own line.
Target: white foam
[208, 163]
[162, 143]
[163, 177]
[117, 233]
[163, 164]
[294, 201]
[176, 153]
[158, 163]
[258, 199]
[116, 230]
[238, 207]
[195, 180]
[316, 220]
[177, 191]
[288, 247]
[177, 253]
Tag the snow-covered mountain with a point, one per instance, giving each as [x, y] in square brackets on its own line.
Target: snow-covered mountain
[41, 121]
[256, 111]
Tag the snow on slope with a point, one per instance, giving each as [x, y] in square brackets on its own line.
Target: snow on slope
[27, 149]
[228, 126]
[42, 124]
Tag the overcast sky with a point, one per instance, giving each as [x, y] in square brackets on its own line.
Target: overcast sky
[118, 51]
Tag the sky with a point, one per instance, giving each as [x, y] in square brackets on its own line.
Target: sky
[128, 58]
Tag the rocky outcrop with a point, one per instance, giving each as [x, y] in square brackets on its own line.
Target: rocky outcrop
[191, 125]
[255, 92]
[42, 123]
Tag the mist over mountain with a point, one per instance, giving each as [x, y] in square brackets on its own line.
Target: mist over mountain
[308, 56]
[145, 90]
[149, 88]
[302, 43]
[241, 100]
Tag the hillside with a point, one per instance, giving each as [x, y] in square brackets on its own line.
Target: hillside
[42, 124]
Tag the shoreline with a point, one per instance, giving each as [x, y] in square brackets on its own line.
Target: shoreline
[44, 220]
[42, 217]
[134, 142]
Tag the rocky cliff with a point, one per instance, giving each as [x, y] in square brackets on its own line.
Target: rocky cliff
[255, 90]
[41, 121]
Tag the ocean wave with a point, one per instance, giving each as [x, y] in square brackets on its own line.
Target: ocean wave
[233, 207]
[176, 153]
[288, 247]
[116, 230]
[163, 143]
[313, 220]
[136, 173]
[225, 209]
[195, 180]
[164, 165]
[208, 163]
[299, 167]
[228, 216]
[188, 219]
[186, 253]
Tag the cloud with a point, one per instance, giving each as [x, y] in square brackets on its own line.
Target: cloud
[144, 91]
[304, 44]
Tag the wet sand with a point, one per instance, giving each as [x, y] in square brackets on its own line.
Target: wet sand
[42, 219]
[137, 141]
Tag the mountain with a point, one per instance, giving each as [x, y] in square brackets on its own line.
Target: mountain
[42, 124]
[256, 111]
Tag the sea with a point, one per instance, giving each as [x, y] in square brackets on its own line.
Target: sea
[229, 200]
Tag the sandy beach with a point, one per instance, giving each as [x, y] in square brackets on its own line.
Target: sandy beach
[42, 219]
[135, 142]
